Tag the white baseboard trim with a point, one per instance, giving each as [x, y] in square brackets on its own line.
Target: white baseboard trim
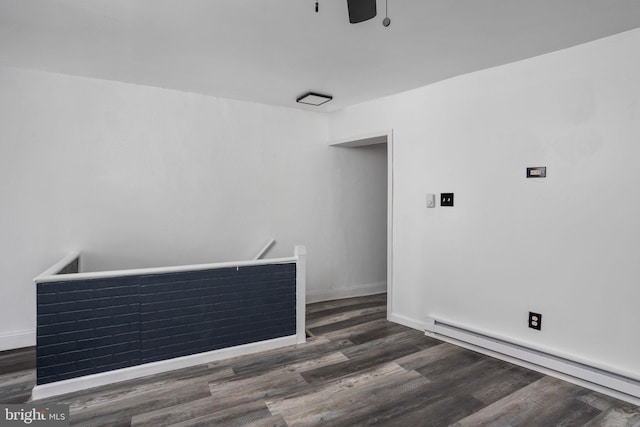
[406, 321]
[350, 292]
[17, 340]
[608, 383]
[104, 378]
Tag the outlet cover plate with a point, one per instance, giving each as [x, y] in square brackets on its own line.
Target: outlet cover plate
[446, 199]
[535, 320]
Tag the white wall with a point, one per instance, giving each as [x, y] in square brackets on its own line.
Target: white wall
[566, 246]
[137, 176]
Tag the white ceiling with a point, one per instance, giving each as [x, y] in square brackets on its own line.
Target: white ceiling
[271, 51]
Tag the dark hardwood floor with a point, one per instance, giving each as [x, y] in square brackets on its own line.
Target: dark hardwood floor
[357, 369]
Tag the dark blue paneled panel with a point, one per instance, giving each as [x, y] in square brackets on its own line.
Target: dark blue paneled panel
[198, 313]
[92, 326]
[86, 326]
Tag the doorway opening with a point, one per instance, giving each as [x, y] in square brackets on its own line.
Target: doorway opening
[373, 140]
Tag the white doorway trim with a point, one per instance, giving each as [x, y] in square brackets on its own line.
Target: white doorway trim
[380, 137]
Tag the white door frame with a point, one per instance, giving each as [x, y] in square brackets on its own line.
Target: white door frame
[380, 137]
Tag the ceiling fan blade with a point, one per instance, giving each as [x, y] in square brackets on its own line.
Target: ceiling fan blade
[361, 10]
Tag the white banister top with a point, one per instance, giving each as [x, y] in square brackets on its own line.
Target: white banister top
[265, 248]
[58, 266]
[50, 274]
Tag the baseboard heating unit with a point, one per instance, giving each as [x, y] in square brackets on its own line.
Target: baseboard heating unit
[605, 380]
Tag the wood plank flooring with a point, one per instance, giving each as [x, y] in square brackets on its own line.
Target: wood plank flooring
[357, 369]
